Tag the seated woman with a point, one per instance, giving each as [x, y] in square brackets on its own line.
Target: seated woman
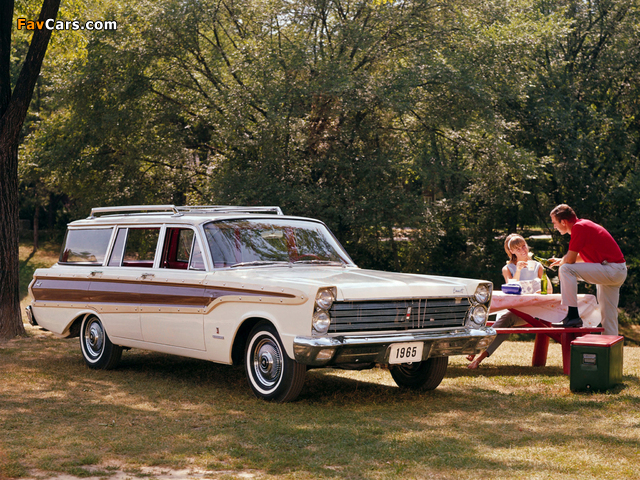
[516, 268]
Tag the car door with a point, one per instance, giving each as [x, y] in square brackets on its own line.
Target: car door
[172, 298]
[115, 289]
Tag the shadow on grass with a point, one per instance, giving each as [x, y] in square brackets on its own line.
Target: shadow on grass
[24, 262]
[621, 390]
[504, 371]
[320, 384]
[26, 271]
[163, 410]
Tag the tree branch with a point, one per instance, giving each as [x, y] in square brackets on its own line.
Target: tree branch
[16, 109]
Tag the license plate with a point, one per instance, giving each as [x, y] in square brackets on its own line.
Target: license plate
[406, 352]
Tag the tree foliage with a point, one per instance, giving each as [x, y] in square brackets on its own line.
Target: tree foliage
[420, 131]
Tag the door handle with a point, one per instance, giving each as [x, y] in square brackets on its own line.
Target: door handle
[147, 275]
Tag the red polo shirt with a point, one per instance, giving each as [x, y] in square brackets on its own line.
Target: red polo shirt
[594, 243]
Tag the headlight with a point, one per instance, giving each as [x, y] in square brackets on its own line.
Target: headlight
[477, 316]
[321, 321]
[483, 293]
[321, 317]
[325, 298]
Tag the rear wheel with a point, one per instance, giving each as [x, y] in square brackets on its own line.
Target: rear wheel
[425, 375]
[97, 349]
[271, 374]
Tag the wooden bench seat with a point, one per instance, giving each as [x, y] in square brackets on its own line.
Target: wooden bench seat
[563, 336]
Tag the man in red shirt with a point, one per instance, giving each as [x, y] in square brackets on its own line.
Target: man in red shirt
[593, 256]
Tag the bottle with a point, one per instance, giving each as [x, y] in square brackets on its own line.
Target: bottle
[545, 284]
[546, 263]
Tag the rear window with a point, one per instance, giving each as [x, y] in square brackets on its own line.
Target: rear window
[86, 246]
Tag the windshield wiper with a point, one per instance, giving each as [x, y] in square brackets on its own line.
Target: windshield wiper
[260, 262]
[320, 262]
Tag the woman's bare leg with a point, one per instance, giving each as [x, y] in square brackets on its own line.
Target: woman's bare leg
[476, 363]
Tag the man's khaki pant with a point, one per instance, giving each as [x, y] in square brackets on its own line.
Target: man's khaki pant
[608, 278]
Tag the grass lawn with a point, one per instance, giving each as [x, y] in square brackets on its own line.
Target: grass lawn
[506, 420]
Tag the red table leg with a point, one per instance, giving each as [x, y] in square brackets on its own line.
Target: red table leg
[540, 349]
[565, 341]
[541, 345]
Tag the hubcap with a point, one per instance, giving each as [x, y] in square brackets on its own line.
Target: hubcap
[267, 362]
[410, 368]
[94, 339]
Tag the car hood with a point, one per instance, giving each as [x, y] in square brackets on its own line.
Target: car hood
[354, 283]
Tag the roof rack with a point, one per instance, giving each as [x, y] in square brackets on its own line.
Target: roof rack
[228, 208]
[179, 211]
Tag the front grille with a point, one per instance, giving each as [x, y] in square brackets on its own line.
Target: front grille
[395, 315]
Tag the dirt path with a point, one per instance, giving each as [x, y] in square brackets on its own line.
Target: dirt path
[150, 473]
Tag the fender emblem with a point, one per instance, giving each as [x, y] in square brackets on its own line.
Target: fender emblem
[458, 290]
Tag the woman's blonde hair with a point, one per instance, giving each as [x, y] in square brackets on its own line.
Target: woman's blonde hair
[513, 241]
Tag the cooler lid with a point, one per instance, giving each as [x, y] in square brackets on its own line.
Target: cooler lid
[597, 340]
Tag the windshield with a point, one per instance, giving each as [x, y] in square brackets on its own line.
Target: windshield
[237, 243]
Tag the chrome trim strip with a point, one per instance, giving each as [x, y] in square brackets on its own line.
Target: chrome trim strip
[229, 209]
[178, 211]
[134, 208]
[395, 299]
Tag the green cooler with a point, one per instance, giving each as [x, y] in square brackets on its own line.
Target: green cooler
[596, 362]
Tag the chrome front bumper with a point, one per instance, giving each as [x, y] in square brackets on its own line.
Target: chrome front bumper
[361, 349]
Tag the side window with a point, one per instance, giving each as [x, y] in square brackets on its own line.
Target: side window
[118, 248]
[181, 250]
[86, 246]
[140, 249]
[185, 240]
[197, 261]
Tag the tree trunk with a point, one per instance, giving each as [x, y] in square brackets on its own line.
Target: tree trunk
[10, 315]
[13, 110]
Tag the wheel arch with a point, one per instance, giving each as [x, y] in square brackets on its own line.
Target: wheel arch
[242, 334]
[73, 329]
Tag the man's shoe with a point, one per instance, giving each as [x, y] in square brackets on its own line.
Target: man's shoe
[567, 322]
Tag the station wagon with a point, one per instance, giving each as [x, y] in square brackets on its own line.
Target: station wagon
[250, 286]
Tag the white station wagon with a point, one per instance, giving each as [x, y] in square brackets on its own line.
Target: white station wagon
[249, 285]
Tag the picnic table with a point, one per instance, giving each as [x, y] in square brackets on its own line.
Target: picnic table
[540, 311]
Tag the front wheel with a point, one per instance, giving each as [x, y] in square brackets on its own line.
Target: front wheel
[97, 349]
[425, 375]
[271, 374]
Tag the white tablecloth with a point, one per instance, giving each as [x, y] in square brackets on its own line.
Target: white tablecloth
[547, 307]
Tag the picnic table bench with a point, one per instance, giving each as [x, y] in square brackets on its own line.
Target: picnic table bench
[528, 307]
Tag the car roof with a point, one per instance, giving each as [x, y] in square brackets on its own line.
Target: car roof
[191, 215]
